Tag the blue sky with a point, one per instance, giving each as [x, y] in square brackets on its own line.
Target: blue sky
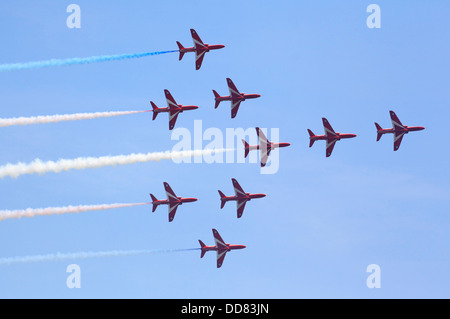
[324, 220]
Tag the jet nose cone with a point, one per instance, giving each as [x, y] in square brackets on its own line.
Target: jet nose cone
[221, 46]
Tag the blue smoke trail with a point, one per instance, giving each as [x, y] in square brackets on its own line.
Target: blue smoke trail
[71, 61]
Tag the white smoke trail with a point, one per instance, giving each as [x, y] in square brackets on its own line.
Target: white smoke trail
[31, 212]
[39, 167]
[71, 61]
[84, 255]
[61, 117]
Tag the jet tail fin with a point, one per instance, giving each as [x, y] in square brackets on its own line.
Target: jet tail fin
[203, 251]
[216, 95]
[154, 199]
[222, 201]
[378, 131]
[180, 47]
[246, 148]
[154, 107]
[311, 141]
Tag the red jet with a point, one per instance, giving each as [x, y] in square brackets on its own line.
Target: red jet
[221, 247]
[173, 109]
[241, 197]
[330, 136]
[235, 97]
[398, 129]
[172, 200]
[264, 146]
[199, 48]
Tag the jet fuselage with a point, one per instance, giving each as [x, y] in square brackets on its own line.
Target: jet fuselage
[206, 48]
[180, 200]
[247, 197]
[338, 136]
[242, 97]
[406, 129]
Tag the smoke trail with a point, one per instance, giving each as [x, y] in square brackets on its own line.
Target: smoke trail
[39, 167]
[61, 117]
[71, 61]
[31, 212]
[84, 255]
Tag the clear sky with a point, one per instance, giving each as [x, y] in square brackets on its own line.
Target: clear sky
[324, 220]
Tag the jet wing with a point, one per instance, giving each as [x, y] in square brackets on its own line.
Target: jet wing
[170, 193]
[234, 92]
[240, 207]
[199, 55]
[264, 154]
[396, 124]
[235, 107]
[173, 116]
[330, 146]
[261, 136]
[198, 43]
[171, 101]
[220, 243]
[264, 146]
[172, 210]
[328, 129]
[398, 136]
[222, 248]
[174, 109]
[220, 257]
[238, 189]
[200, 49]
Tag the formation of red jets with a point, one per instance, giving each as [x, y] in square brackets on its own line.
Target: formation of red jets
[240, 197]
[264, 146]
[331, 137]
